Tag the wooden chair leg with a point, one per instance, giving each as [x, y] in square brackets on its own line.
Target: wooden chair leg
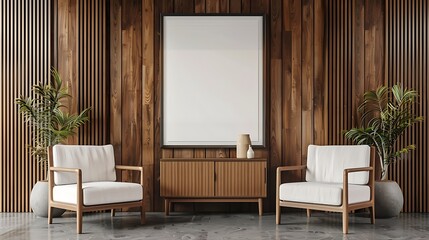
[345, 222]
[278, 213]
[142, 215]
[260, 206]
[79, 221]
[49, 215]
[112, 212]
[372, 214]
[167, 207]
[308, 213]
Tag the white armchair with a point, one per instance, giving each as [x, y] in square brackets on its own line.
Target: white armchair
[338, 179]
[83, 179]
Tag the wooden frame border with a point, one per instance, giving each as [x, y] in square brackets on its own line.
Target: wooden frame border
[265, 106]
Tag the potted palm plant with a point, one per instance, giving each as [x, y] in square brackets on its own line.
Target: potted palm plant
[385, 115]
[51, 126]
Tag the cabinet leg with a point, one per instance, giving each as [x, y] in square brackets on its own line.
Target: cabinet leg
[167, 207]
[308, 213]
[260, 206]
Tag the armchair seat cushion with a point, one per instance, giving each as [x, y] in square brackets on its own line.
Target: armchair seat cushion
[322, 193]
[95, 193]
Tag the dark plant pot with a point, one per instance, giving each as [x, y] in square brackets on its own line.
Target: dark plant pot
[389, 199]
[39, 201]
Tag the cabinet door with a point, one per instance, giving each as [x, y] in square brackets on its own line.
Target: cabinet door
[187, 179]
[241, 179]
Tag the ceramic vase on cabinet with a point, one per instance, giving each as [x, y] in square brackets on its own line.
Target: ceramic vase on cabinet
[243, 143]
[250, 152]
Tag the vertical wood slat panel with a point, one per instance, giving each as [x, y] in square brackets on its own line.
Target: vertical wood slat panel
[291, 99]
[115, 14]
[187, 179]
[275, 134]
[131, 25]
[81, 32]
[407, 49]
[307, 81]
[320, 71]
[24, 61]
[148, 101]
[240, 179]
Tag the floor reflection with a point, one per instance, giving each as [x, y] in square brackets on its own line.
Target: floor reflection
[186, 226]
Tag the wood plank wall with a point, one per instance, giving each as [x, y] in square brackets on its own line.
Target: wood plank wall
[321, 56]
[407, 63]
[81, 42]
[354, 61]
[25, 58]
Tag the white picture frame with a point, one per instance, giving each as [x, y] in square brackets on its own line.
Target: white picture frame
[213, 80]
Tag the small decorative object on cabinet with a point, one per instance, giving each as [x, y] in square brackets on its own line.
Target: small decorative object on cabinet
[250, 152]
[213, 180]
[243, 143]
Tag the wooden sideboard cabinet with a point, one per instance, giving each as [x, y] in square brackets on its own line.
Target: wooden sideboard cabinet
[213, 180]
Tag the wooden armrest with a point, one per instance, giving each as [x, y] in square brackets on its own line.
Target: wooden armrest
[346, 181]
[361, 169]
[78, 173]
[351, 170]
[61, 169]
[132, 168]
[279, 180]
[286, 168]
[291, 168]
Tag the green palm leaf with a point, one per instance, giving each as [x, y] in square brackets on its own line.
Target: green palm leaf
[44, 112]
[384, 120]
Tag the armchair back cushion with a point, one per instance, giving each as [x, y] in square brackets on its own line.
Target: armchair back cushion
[327, 163]
[97, 163]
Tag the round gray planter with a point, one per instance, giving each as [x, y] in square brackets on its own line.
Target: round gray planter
[389, 199]
[39, 201]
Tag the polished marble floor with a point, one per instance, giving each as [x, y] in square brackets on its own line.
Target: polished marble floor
[188, 226]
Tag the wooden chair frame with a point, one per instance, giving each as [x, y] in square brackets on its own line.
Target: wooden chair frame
[345, 208]
[80, 208]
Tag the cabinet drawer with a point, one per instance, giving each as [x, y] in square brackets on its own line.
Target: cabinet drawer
[240, 179]
[187, 178]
